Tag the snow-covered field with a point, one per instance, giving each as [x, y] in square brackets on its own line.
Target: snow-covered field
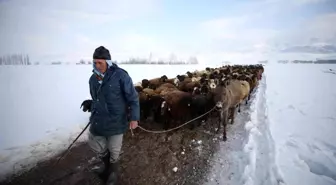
[285, 136]
[301, 101]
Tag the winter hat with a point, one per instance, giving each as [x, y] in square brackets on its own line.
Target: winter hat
[102, 53]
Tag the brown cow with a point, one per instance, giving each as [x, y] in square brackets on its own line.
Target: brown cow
[176, 107]
[226, 101]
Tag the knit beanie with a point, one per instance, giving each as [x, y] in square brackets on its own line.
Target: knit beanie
[101, 53]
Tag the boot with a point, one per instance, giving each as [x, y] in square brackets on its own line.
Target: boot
[103, 172]
[113, 174]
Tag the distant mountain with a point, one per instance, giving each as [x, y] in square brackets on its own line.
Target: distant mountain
[315, 49]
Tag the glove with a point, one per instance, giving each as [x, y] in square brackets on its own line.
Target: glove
[86, 105]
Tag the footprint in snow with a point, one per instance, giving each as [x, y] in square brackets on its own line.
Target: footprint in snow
[329, 146]
[329, 118]
[291, 107]
[292, 143]
[318, 168]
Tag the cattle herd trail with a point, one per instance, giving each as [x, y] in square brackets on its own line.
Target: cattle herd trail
[189, 155]
[283, 136]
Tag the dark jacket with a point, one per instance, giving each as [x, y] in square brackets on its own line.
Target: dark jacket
[110, 102]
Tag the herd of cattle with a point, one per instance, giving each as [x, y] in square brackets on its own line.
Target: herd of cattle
[176, 100]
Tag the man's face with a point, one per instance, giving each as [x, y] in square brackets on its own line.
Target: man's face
[101, 65]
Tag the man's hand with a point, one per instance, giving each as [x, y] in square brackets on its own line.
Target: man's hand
[86, 105]
[133, 124]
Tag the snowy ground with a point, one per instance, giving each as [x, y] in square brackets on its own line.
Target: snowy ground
[286, 135]
[302, 118]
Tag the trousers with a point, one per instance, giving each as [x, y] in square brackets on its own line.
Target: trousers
[101, 145]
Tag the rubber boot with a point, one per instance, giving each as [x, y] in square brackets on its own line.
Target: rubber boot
[113, 174]
[103, 172]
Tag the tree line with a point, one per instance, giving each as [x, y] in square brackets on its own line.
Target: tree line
[318, 61]
[15, 59]
[21, 59]
[192, 60]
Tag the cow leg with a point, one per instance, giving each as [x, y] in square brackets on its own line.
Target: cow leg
[199, 120]
[197, 123]
[204, 118]
[145, 113]
[192, 126]
[224, 120]
[233, 113]
[141, 112]
[220, 120]
[194, 123]
[248, 97]
[157, 115]
[173, 123]
[141, 115]
[167, 122]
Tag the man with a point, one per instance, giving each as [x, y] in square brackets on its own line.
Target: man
[112, 93]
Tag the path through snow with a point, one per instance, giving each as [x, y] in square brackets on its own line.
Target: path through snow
[248, 155]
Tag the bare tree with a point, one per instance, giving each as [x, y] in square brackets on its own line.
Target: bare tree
[14, 59]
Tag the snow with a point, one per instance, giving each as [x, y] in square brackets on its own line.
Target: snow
[286, 135]
[302, 118]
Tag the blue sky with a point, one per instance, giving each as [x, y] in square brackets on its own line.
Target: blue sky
[210, 30]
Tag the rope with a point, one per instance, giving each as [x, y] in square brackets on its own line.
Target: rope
[164, 131]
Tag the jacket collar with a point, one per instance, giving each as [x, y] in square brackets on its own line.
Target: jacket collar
[110, 72]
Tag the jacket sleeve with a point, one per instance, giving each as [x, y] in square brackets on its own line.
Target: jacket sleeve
[131, 96]
[91, 87]
[91, 93]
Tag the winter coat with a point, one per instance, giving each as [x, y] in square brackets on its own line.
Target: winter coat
[111, 100]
